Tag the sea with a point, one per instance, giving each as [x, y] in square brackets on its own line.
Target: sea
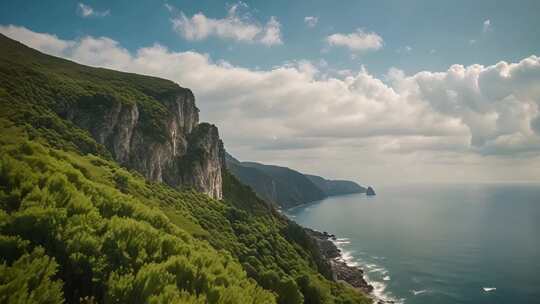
[439, 243]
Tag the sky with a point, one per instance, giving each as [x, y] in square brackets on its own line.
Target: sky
[380, 92]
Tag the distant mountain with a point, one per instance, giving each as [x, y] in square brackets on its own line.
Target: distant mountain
[282, 186]
[286, 187]
[335, 187]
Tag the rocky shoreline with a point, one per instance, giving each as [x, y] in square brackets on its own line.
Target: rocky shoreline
[341, 271]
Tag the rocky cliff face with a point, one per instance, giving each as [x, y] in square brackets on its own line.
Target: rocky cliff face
[203, 162]
[162, 140]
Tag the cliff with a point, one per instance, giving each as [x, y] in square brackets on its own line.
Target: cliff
[146, 123]
[166, 157]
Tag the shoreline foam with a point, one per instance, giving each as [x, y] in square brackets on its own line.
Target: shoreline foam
[346, 267]
[378, 293]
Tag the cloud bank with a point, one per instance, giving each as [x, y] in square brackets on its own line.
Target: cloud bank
[466, 114]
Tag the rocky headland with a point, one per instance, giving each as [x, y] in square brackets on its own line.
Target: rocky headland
[341, 271]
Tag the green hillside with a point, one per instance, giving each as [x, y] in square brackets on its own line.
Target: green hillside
[76, 227]
[286, 187]
[283, 186]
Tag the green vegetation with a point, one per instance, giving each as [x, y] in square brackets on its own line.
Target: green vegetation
[280, 185]
[285, 187]
[58, 86]
[59, 207]
[76, 227]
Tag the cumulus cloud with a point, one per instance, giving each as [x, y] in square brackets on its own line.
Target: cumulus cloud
[235, 26]
[357, 41]
[311, 21]
[498, 103]
[461, 114]
[47, 43]
[87, 11]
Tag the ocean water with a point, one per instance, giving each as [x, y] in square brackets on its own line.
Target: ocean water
[466, 243]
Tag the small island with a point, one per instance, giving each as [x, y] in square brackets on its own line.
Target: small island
[370, 191]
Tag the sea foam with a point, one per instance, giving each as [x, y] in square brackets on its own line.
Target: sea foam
[418, 292]
[379, 288]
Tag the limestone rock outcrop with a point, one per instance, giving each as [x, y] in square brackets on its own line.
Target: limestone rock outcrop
[162, 138]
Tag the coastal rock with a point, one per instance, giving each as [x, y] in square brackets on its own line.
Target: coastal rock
[327, 248]
[370, 191]
[354, 276]
[158, 139]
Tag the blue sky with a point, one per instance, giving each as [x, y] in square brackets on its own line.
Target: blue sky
[374, 91]
[438, 33]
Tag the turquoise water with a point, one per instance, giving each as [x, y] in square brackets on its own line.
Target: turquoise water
[439, 243]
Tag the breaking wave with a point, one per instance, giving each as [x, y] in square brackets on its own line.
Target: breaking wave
[379, 287]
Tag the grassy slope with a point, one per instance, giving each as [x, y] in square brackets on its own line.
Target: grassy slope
[105, 233]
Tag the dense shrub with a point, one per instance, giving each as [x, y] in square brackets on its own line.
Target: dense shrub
[60, 229]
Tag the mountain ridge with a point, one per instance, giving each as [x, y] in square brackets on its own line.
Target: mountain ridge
[287, 187]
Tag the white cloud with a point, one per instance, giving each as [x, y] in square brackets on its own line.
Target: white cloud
[271, 33]
[86, 11]
[496, 102]
[486, 27]
[357, 41]
[235, 26]
[311, 21]
[466, 115]
[46, 43]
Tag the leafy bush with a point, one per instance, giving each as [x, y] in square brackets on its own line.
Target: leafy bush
[30, 280]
